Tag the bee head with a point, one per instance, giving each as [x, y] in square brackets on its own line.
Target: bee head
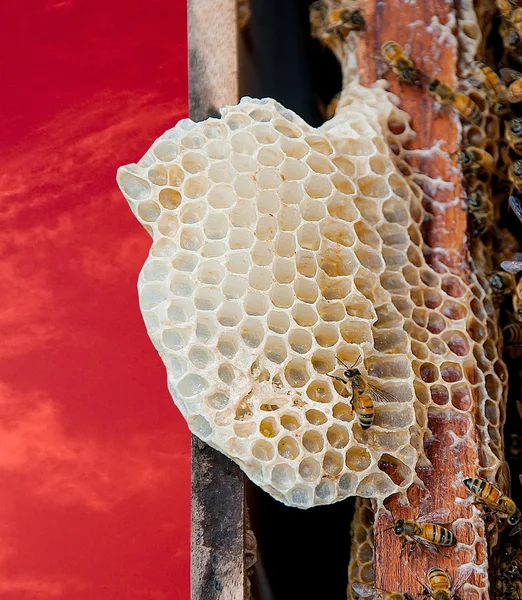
[357, 19]
[473, 200]
[433, 85]
[497, 282]
[515, 517]
[397, 528]
[349, 373]
[501, 109]
[515, 125]
[440, 595]
[408, 596]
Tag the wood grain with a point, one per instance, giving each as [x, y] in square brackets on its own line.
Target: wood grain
[218, 485]
[416, 26]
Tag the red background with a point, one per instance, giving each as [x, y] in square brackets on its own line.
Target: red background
[94, 457]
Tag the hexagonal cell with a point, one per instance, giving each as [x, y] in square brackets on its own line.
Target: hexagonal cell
[290, 421]
[326, 335]
[337, 436]
[357, 459]
[262, 450]
[227, 345]
[439, 394]
[283, 477]
[313, 441]
[355, 332]
[252, 332]
[300, 341]
[282, 296]
[296, 372]
[288, 448]
[275, 349]
[450, 372]
[456, 342]
[319, 391]
[396, 470]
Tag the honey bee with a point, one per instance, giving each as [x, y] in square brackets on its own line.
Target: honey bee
[338, 22]
[514, 78]
[513, 334]
[364, 394]
[502, 284]
[502, 506]
[343, 20]
[440, 587]
[367, 591]
[480, 209]
[476, 161]
[401, 64]
[462, 103]
[425, 532]
[513, 134]
[506, 7]
[492, 82]
[515, 174]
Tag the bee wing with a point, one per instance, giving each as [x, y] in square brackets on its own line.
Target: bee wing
[364, 590]
[509, 75]
[462, 575]
[504, 478]
[379, 395]
[429, 545]
[516, 206]
[512, 266]
[440, 515]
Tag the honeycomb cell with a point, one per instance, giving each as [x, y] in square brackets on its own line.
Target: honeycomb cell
[450, 372]
[436, 323]
[278, 322]
[282, 296]
[428, 372]
[275, 349]
[457, 342]
[342, 412]
[169, 198]
[357, 459]
[313, 441]
[319, 391]
[439, 394]
[300, 341]
[227, 345]
[288, 448]
[323, 361]
[290, 422]
[252, 332]
[262, 450]
[337, 436]
[326, 335]
[283, 477]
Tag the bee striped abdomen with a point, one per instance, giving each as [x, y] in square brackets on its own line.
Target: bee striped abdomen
[483, 489]
[365, 410]
[438, 578]
[436, 534]
[513, 333]
[467, 108]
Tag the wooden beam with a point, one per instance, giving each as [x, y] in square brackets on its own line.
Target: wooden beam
[218, 485]
[420, 27]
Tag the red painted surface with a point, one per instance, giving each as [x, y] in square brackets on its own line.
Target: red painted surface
[94, 457]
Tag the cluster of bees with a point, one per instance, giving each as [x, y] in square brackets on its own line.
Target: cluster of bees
[431, 535]
[430, 531]
[503, 90]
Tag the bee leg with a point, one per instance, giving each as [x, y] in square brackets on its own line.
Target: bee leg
[337, 378]
[412, 549]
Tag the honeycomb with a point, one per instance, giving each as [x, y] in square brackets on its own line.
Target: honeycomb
[270, 253]
[277, 247]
